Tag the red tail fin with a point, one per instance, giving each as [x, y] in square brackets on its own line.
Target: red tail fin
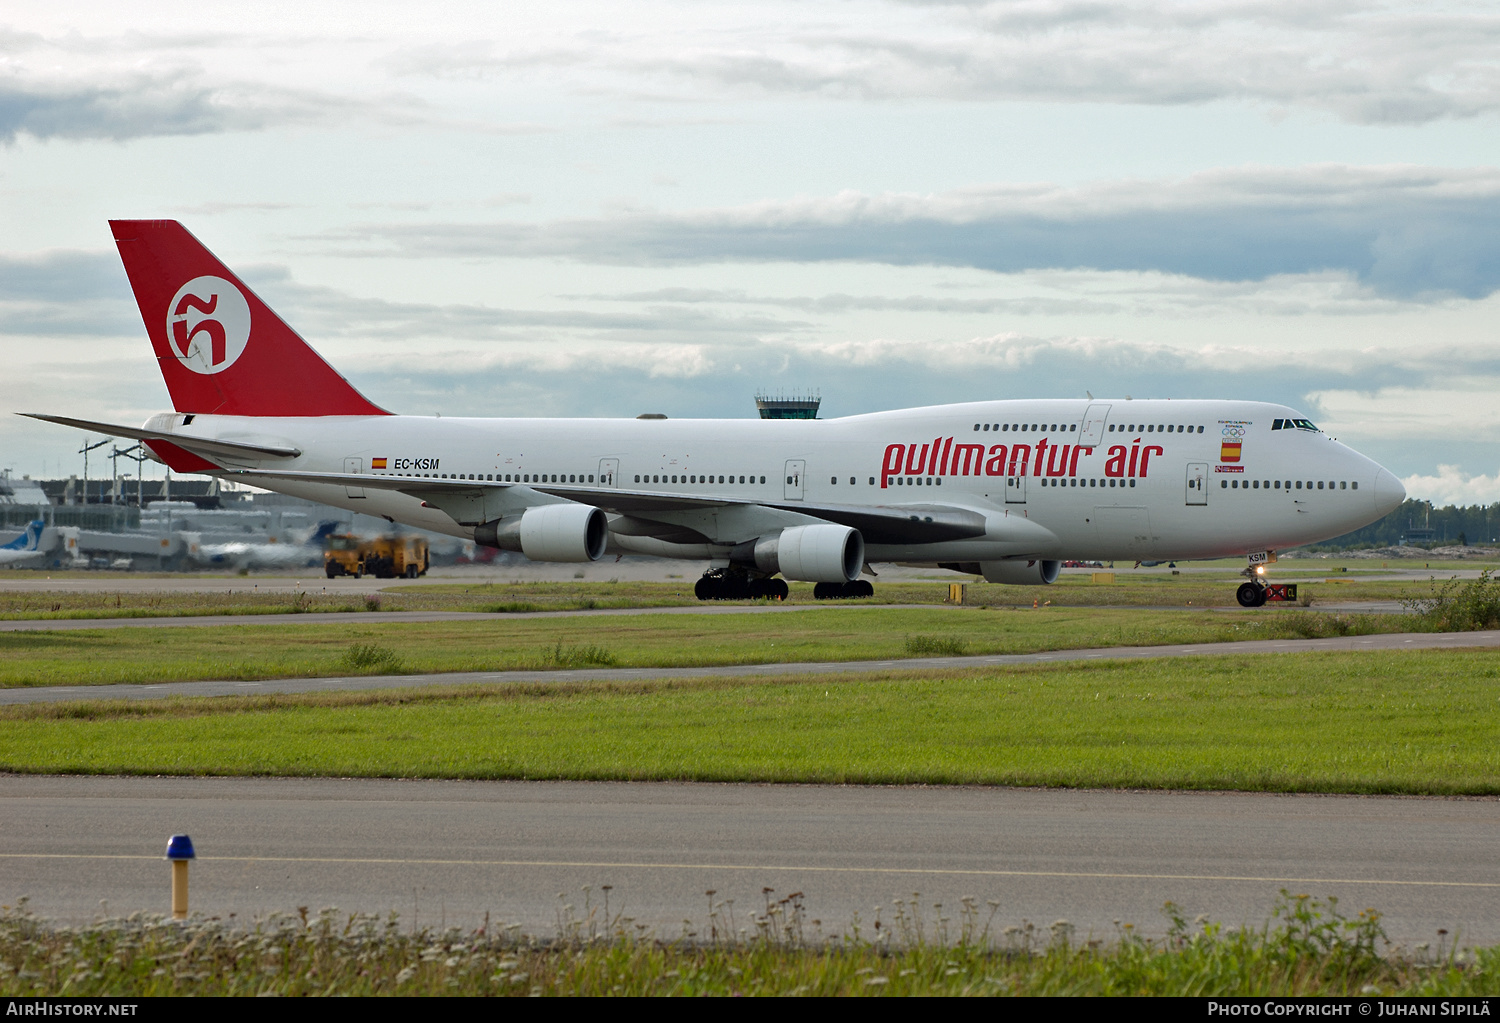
[221, 349]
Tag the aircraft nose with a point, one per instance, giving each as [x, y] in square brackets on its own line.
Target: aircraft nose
[1389, 493]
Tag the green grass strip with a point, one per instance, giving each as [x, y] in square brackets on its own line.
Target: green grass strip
[367, 645]
[1376, 722]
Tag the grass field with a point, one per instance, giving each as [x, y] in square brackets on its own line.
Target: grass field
[1308, 949]
[368, 645]
[1393, 722]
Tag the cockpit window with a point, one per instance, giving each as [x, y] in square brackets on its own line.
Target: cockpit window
[1295, 424]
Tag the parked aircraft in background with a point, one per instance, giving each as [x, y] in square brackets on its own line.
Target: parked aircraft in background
[1007, 489]
[303, 550]
[25, 549]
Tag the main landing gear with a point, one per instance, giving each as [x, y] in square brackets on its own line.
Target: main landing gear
[727, 584]
[724, 584]
[843, 591]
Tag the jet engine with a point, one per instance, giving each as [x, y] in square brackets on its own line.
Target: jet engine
[814, 554]
[1021, 573]
[549, 532]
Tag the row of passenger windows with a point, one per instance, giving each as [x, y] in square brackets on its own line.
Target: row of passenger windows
[495, 477]
[1287, 485]
[693, 479]
[1156, 428]
[1073, 428]
[937, 481]
[1027, 427]
[913, 481]
[1069, 482]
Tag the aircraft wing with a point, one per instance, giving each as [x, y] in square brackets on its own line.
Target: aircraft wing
[202, 447]
[918, 523]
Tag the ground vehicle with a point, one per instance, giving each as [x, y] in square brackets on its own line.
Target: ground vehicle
[384, 557]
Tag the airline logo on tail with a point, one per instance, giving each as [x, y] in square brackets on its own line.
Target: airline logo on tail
[29, 539]
[208, 322]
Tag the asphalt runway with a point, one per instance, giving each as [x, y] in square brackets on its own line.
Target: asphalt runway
[446, 853]
[1390, 641]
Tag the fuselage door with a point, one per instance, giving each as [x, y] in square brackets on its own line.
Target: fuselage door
[796, 469]
[354, 465]
[609, 472]
[1197, 483]
[1091, 434]
[1015, 490]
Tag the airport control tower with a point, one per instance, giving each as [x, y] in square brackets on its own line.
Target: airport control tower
[783, 407]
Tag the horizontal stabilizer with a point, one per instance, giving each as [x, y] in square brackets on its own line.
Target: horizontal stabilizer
[197, 445]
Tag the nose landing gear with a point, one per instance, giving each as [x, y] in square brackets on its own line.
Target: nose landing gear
[1251, 595]
[1255, 592]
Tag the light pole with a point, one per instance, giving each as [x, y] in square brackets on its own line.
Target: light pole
[137, 454]
[84, 451]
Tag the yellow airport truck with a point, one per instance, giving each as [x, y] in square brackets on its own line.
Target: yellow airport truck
[384, 557]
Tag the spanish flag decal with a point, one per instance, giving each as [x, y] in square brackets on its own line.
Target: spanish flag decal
[1229, 451]
[379, 463]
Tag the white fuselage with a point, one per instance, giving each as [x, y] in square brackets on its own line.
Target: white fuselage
[1052, 478]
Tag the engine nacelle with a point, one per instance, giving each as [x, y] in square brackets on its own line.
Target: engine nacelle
[1021, 573]
[814, 554]
[549, 532]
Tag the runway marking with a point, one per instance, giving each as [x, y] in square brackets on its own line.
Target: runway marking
[929, 871]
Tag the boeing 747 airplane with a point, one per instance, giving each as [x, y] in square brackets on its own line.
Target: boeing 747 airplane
[1007, 489]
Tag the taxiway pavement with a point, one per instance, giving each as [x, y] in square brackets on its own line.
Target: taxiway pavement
[448, 852]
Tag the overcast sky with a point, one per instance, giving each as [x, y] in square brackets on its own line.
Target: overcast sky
[571, 209]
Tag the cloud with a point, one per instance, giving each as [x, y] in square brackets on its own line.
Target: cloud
[137, 106]
[328, 312]
[1075, 293]
[1451, 485]
[1445, 391]
[64, 294]
[136, 85]
[210, 209]
[1367, 63]
[1403, 231]
[62, 276]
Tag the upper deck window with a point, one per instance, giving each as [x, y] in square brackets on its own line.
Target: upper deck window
[1294, 424]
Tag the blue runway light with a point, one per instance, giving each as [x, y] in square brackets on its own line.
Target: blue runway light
[180, 848]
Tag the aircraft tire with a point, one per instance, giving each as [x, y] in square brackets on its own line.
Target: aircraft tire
[828, 591]
[859, 588]
[1250, 595]
[707, 588]
[735, 588]
[779, 590]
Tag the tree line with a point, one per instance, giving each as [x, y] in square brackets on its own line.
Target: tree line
[1423, 524]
